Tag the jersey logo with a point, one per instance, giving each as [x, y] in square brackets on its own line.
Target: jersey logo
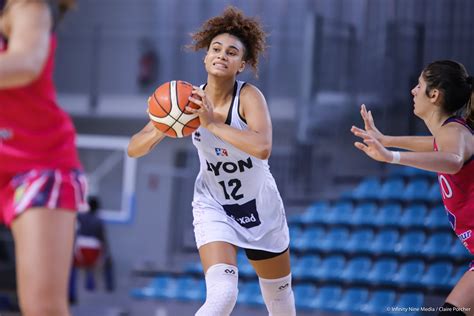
[466, 235]
[229, 271]
[197, 136]
[221, 152]
[229, 167]
[281, 288]
[246, 214]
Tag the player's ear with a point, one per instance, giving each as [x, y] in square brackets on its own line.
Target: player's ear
[242, 66]
[435, 95]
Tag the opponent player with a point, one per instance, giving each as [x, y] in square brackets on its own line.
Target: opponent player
[236, 202]
[41, 185]
[443, 100]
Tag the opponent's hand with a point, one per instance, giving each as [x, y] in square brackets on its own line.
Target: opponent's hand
[372, 147]
[206, 108]
[369, 125]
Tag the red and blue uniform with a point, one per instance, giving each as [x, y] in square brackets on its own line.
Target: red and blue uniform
[39, 164]
[457, 191]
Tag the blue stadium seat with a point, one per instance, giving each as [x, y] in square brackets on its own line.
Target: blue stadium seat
[389, 215]
[334, 240]
[304, 268]
[367, 189]
[383, 271]
[188, 288]
[457, 275]
[356, 269]
[155, 289]
[438, 275]
[304, 295]
[364, 214]
[410, 273]
[295, 232]
[407, 300]
[379, 301]
[197, 292]
[392, 189]
[458, 251]
[411, 243]
[352, 300]
[416, 190]
[385, 242]
[360, 241]
[327, 298]
[437, 218]
[410, 172]
[193, 267]
[330, 268]
[308, 238]
[249, 293]
[434, 193]
[341, 213]
[316, 213]
[246, 270]
[414, 215]
[438, 244]
[241, 258]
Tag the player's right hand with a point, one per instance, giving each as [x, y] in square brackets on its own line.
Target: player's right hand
[369, 124]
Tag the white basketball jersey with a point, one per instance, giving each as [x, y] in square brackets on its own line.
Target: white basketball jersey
[238, 189]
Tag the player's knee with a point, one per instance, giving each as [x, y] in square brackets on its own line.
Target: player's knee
[278, 296]
[449, 309]
[221, 290]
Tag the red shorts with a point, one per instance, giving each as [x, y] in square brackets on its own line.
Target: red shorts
[87, 251]
[45, 188]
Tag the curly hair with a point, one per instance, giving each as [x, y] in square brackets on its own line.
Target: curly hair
[232, 21]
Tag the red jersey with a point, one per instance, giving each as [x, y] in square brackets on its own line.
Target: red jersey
[35, 132]
[457, 191]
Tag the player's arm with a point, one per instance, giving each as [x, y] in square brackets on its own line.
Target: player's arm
[29, 27]
[412, 143]
[144, 141]
[257, 139]
[449, 159]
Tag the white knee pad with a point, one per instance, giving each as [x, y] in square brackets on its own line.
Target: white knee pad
[278, 296]
[221, 290]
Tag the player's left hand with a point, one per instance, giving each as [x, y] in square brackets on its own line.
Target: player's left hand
[206, 108]
[371, 146]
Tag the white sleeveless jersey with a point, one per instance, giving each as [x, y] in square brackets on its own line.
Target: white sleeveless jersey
[235, 196]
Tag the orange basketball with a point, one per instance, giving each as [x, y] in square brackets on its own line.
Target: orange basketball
[167, 109]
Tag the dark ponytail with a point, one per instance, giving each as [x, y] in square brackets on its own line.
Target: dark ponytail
[66, 5]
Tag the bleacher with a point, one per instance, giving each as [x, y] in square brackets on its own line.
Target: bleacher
[385, 243]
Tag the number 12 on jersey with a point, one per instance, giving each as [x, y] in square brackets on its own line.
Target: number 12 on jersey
[234, 185]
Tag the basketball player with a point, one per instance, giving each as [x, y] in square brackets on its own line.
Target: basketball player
[443, 100]
[236, 202]
[41, 185]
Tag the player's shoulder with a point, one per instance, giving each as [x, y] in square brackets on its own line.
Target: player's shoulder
[456, 128]
[251, 92]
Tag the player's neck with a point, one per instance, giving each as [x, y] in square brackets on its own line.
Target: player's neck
[435, 120]
[219, 90]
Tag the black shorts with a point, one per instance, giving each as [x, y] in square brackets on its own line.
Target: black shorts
[253, 254]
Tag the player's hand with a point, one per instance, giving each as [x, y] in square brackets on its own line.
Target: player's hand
[369, 125]
[372, 147]
[206, 108]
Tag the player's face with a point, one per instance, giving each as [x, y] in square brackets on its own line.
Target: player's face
[420, 99]
[225, 56]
